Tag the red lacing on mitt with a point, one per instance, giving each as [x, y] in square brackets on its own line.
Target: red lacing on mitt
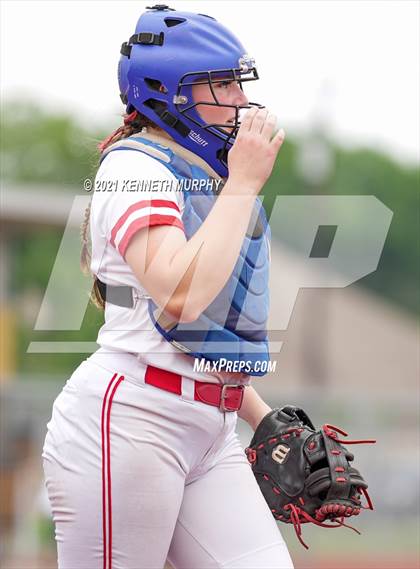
[339, 511]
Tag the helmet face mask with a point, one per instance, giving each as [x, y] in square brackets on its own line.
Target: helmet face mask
[157, 79]
[225, 131]
[211, 78]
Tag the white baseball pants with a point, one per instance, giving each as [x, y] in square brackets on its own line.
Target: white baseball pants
[137, 475]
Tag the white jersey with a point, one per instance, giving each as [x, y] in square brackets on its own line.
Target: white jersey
[121, 206]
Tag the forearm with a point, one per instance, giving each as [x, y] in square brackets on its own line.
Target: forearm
[204, 264]
[253, 408]
[187, 275]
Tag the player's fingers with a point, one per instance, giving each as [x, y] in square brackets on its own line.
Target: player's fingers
[269, 126]
[247, 119]
[278, 139]
[258, 121]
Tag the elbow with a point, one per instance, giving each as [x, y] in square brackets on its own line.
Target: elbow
[187, 318]
[184, 311]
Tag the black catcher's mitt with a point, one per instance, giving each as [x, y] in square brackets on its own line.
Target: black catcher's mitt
[305, 475]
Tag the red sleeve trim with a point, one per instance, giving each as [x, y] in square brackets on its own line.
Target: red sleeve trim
[146, 221]
[136, 206]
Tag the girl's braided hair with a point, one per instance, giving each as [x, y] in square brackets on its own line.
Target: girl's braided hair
[133, 123]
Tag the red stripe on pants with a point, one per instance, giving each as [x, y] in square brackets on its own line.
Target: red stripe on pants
[106, 470]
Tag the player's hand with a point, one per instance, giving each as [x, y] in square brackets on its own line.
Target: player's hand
[251, 158]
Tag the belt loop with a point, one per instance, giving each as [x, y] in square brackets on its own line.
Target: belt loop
[142, 375]
[187, 387]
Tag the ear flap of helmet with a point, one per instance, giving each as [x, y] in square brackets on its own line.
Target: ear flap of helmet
[160, 109]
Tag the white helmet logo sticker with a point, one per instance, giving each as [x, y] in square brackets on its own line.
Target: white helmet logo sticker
[197, 138]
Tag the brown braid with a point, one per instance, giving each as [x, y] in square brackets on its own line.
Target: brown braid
[133, 123]
[85, 258]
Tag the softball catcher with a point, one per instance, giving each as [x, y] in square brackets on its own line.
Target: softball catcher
[141, 458]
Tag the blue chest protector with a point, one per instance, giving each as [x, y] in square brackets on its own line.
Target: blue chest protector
[233, 328]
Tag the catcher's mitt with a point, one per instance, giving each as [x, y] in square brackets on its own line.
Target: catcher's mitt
[305, 475]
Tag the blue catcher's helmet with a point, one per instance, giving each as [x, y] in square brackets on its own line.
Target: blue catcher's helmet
[170, 52]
